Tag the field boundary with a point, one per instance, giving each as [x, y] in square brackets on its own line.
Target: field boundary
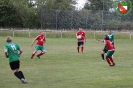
[64, 33]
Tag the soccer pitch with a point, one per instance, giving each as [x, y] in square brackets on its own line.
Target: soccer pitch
[63, 67]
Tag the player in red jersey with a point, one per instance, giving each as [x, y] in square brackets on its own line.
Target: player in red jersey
[111, 38]
[111, 49]
[39, 46]
[80, 39]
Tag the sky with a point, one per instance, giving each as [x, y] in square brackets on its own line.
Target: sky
[80, 4]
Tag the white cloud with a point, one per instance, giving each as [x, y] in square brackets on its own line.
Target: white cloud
[80, 4]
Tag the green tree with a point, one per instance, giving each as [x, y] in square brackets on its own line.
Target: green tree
[52, 9]
[27, 13]
[8, 16]
[60, 4]
[56, 4]
[18, 13]
[98, 4]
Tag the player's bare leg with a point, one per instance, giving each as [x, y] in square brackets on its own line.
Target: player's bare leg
[82, 48]
[43, 52]
[112, 56]
[78, 48]
[33, 54]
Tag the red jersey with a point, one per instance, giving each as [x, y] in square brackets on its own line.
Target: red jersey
[82, 34]
[109, 45]
[40, 40]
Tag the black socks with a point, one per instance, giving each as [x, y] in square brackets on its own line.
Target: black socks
[19, 75]
[102, 55]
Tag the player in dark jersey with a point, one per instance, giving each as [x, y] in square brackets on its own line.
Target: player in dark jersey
[11, 51]
[39, 46]
[80, 35]
[111, 49]
[104, 50]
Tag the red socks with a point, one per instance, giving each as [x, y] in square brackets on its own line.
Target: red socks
[108, 61]
[82, 49]
[111, 59]
[40, 54]
[37, 55]
[32, 56]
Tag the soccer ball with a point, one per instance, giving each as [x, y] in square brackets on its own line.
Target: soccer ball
[79, 37]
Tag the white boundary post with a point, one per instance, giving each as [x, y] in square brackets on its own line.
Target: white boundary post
[94, 34]
[29, 32]
[130, 35]
[61, 33]
[45, 33]
[13, 33]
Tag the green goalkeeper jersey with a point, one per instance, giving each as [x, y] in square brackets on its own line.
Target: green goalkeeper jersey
[12, 49]
[111, 37]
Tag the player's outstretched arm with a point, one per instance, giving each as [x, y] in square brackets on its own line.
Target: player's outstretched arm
[99, 40]
[33, 42]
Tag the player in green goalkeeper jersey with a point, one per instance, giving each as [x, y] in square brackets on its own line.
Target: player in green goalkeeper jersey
[13, 52]
[111, 36]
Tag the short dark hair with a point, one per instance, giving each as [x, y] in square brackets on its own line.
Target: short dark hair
[106, 37]
[8, 39]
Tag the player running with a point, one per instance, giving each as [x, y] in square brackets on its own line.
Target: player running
[111, 38]
[111, 49]
[80, 39]
[39, 46]
[13, 52]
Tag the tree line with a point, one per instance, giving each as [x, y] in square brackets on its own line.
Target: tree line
[27, 13]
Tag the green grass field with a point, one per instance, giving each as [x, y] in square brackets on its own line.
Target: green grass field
[63, 67]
